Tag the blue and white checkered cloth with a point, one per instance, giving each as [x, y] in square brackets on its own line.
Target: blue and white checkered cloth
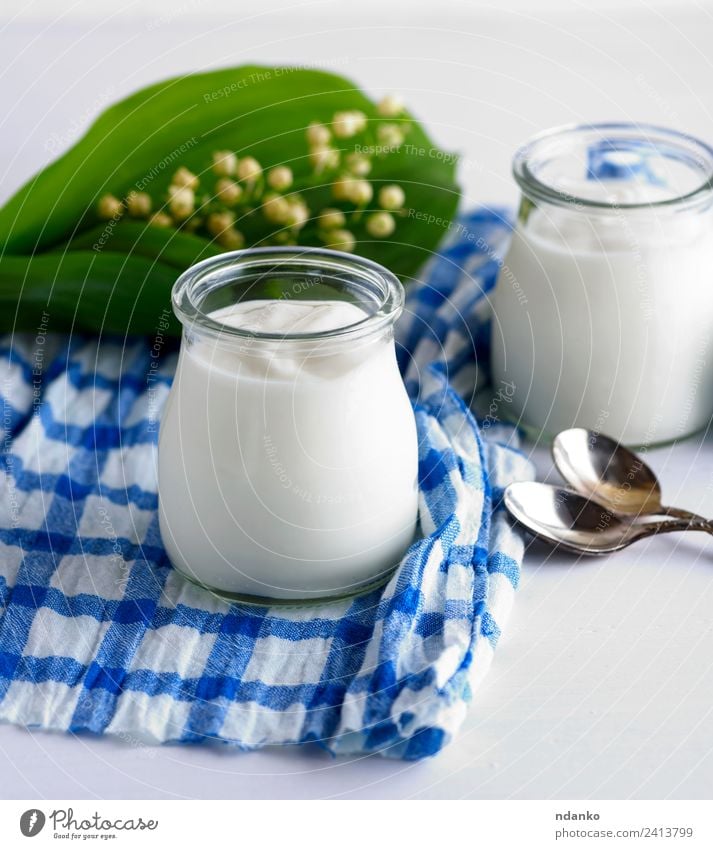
[98, 633]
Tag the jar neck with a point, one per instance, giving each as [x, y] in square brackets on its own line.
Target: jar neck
[600, 168]
[290, 275]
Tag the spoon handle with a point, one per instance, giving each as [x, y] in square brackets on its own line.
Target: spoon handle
[667, 526]
[677, 513]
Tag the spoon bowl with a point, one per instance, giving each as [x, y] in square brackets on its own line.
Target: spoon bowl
[564, 518]
[601, 469]
[574, 523]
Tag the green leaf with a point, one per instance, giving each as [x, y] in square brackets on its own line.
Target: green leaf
[137, 238]
[86, 291]
[140, 142]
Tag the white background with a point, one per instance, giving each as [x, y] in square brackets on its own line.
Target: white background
[602, 684]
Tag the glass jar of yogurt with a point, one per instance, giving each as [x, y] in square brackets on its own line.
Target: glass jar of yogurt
[603, 310]
[287, 452]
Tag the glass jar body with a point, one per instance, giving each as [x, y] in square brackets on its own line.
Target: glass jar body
[288, 467]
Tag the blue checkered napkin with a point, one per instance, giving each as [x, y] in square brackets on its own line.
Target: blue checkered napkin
[97, 631]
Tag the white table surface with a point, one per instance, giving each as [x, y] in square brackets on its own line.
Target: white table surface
[602, 683]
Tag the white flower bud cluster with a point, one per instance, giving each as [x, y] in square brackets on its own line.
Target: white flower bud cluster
[322, 156]
[349, 185]
[243, 191]
[212, 215]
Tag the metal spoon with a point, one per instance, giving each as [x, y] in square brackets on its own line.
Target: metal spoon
[599, 468]
[574, 523]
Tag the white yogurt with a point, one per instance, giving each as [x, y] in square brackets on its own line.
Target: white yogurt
[605, 319]
[287, 470]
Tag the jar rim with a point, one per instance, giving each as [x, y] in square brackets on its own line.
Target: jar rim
[187, 304]
[536, 188]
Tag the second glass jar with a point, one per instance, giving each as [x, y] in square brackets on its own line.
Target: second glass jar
[603, 310]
